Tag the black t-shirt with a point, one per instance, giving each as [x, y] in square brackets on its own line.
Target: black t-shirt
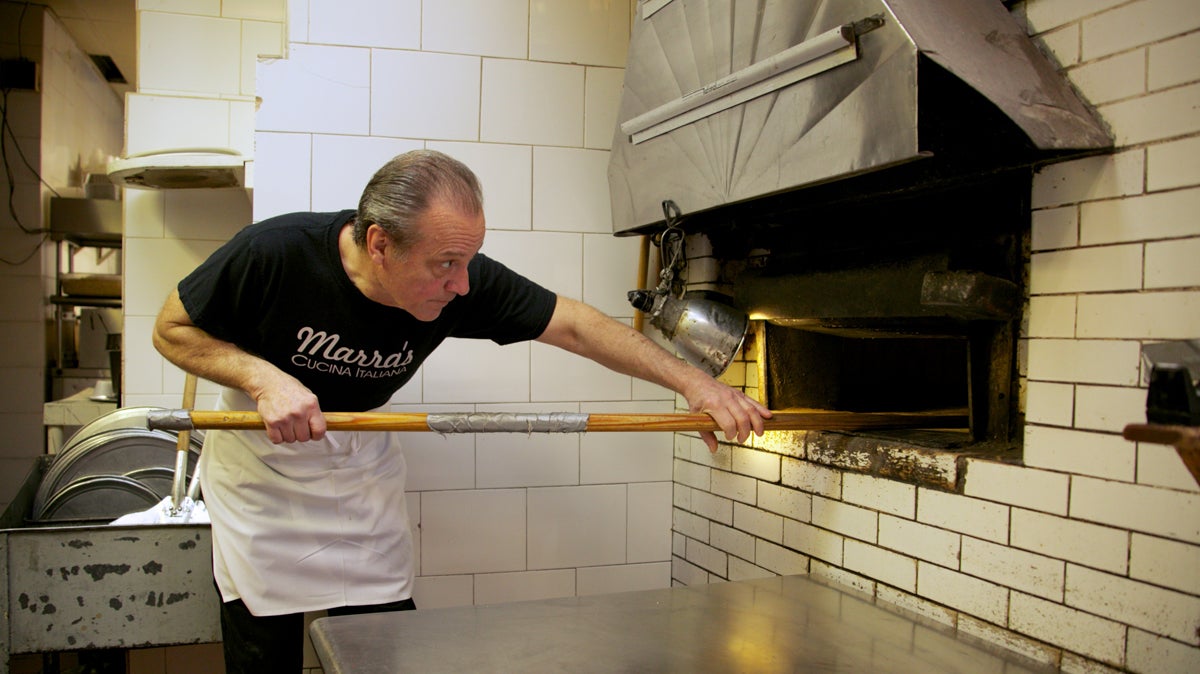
[278, 290]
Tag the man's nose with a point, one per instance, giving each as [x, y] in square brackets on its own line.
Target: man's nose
[459, 282]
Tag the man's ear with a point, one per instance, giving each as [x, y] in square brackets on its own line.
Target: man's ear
[379, 244]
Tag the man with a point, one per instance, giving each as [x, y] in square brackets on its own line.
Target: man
[336, 311]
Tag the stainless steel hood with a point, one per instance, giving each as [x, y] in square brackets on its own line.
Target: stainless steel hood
[726, 101]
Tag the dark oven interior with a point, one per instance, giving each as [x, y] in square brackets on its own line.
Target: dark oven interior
[872, 300]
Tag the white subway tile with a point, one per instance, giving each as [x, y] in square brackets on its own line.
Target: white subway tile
[532, 103]
[163, 263]
[779, 559]
[518, 460]
[756, 464]
[845, 519]
[1167, 563]
[1152, 315]
[1112, 78]
[1052, 316]
[561, 375]
[1142, 605]
[713, 507]
[395, 24]
[1153, 653]
[1088, 179]
[649, 522]
[473, 531]
[1062, 44]
[962, 514]
[1151, 216]
[687, 574]
[811, 477]
[1172, 264]
[259, 38]
[692, 474]
[1165, 114]
[495, 588]
[579, 31]
[342, 165]
[880, 494]
[884, 566]
[742, 570]
[317, 89]
[143, 375]
[1099, 547]
[925, 610]
[1014, 485]
[444, 591]
[1086, 270]
[1136, 24]
[570, 190]
[1053, 228]
[1045, 15]
[1010, 641]
[1010, 567]
[919, 540]
[1047, 403]
[212, 215]
[155, 123]
[813, 541]
[1174, 62]
[552, 259]
[602, 97]
[735, 487]
[476, 370]
[728, 539]
[577, 526]
[439, 461]
[1063, 626]
[1107, 408]
[1079, 452]
[609, 272]
[760, 523]
[1151, 510]
[965, 593]
[708, 558]
[624, 457]
[1086, 362]
[262, 10]
[449, 98]
[790, 503]
[689, 525]
[283, 168]
[483, 27]
[1161, 466]
[196, 54]
[623, 578]
[506, 175]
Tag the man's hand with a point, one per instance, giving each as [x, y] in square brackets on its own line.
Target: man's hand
[736, 413]
[290, 412]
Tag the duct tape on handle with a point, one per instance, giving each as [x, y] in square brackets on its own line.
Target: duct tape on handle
[508, 422]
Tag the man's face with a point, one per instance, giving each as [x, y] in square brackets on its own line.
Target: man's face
[433, 271]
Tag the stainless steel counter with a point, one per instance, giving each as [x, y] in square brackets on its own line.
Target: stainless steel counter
[788, 624]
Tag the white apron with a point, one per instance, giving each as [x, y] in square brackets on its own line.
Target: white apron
[309, 525]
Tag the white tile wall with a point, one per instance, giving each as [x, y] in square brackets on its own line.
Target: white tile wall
[579, 31]
[1151, 216]
[474, 531]
[424, 95]
[395, 24]
[506, 175]
[494, 588]
[565, 198]
[342, 165]
[196, 54]
[533, 103]
[487, 28]
[577, 526]
[317, 89]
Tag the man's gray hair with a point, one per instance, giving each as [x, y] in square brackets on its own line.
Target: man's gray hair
[402, 189]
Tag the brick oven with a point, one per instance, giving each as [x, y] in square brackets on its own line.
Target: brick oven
[865, 197]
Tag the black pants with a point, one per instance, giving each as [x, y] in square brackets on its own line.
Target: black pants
[268, 644]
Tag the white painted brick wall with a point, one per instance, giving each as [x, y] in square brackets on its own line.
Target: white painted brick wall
[852, 521]
[1092, 545]
[887, 567]
[881, 494]
[1010, 567]
[734, 487]
[1076, 451]
[962, 592]
[813, 541]
[1164, 562]
[964, 515]
[790, 503]
[919, 540]
[1157, 610]
[757, 464]
[811, 478]
[1067, 627]
[1160, 215]
[1015, 485]
[758, 522]
[1090, 362]
[1147, 509]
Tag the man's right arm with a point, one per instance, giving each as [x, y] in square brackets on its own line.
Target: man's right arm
[289, 409]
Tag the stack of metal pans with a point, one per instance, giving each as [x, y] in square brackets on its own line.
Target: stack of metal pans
[111, 467]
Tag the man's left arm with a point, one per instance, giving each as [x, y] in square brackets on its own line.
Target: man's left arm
[583, 330]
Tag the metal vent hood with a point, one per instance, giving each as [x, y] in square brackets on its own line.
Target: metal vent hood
[184, 168]
[727, 101]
